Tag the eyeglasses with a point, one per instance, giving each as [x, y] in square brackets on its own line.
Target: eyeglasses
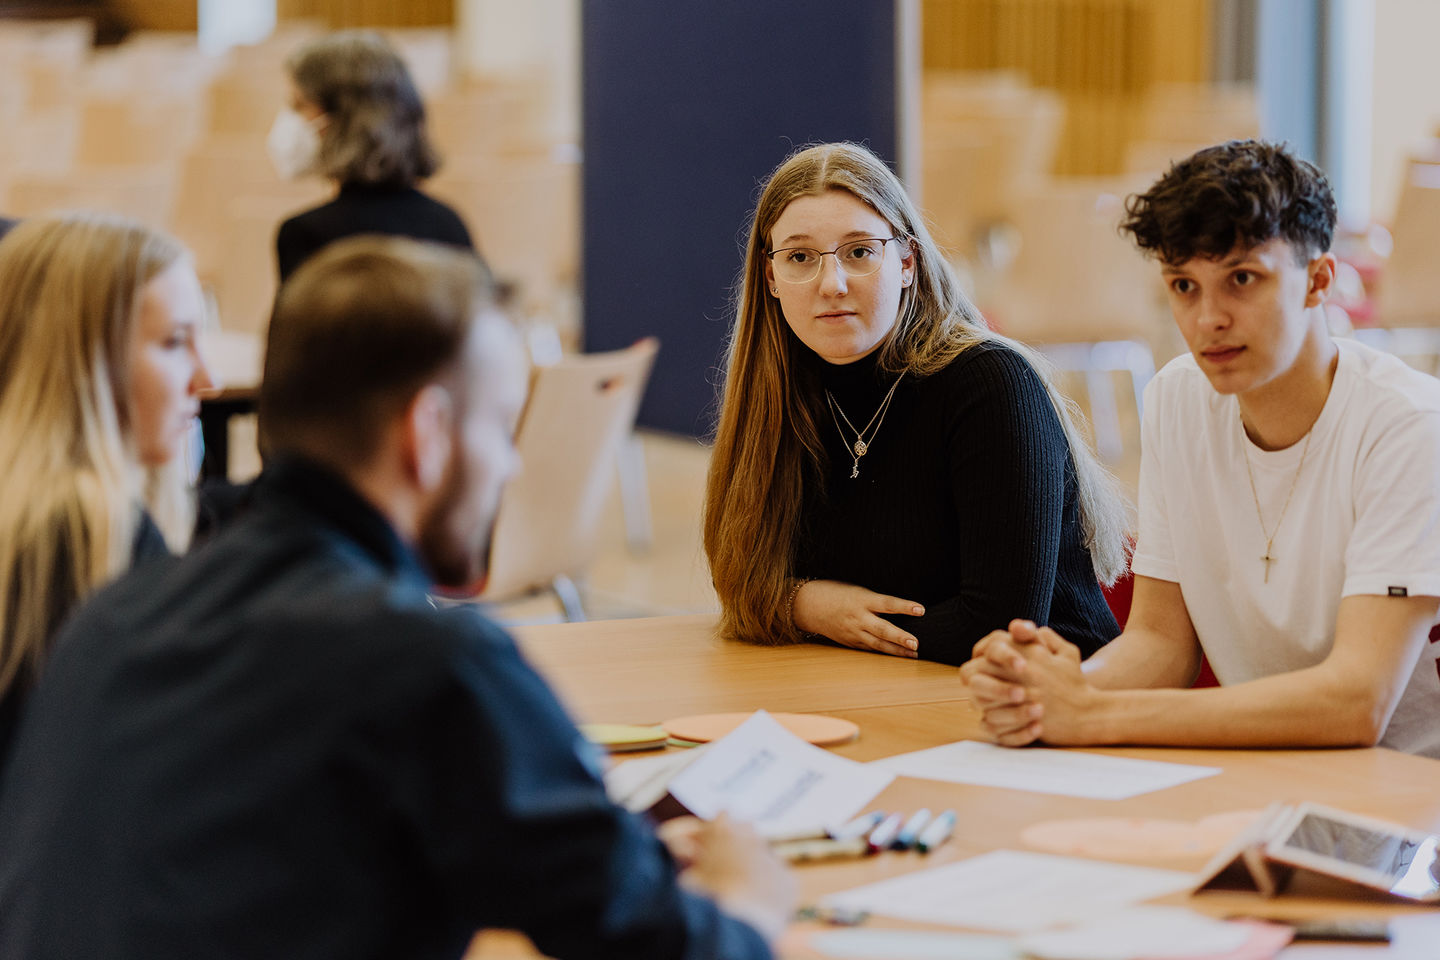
[858, 258]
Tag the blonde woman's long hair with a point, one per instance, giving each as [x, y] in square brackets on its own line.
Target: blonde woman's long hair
[70, 289]
[767, 444]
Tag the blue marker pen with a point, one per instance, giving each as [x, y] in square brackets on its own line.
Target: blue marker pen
[911, 831]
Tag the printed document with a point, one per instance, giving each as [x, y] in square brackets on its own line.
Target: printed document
[764, 774]
[1012, 891]
[1072, 773]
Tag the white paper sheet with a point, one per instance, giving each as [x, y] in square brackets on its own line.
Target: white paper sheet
[882, 944]
[764, 774]
[637, 785]
[1071, 773]
[1150, 932]
[1012, 891]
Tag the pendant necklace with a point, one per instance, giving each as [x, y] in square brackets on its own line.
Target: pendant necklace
[863, 438]
[1270, 537]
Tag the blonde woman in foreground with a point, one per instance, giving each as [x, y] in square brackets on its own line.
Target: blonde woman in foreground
[888, 473]
[99, 380]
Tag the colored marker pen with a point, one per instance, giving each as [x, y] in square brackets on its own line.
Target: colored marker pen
[858, 827]
[938, 832]
[803, 851]
[910, 833]
[884, 835]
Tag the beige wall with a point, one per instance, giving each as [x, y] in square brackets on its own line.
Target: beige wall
[1406, 94]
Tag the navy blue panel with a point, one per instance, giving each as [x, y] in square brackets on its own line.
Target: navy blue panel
[687, 108]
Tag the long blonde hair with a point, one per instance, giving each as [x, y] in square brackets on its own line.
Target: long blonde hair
[767, 445]
[70, 289]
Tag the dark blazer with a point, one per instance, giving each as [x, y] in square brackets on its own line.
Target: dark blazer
[359, 209]
[276, 747]
[5, 225]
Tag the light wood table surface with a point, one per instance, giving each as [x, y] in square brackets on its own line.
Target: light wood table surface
[646, 671]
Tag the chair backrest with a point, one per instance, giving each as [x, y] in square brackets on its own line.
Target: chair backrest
[1409, 292]
[124, 131]
[579, 412]
[143, 193]
[987, 136]
[524, 217]
[1074, 277]
[247, 277]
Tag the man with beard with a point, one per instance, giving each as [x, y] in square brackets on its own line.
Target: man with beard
[276, 746]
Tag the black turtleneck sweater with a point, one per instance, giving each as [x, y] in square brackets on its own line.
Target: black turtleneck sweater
[966, 502]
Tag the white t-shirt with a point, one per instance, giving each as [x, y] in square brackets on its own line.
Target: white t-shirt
[1364, 518]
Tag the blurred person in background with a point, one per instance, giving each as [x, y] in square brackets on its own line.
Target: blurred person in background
[100, 375]
[889, 474]
[355, 118]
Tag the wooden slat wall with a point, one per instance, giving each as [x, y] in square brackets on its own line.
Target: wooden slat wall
[1102, 56]
[341, 14]
[157, 14]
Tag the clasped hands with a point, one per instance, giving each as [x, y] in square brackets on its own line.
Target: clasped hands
[1027, 682]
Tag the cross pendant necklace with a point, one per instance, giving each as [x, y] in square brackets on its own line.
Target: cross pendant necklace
[1267, 559]
[860, 446]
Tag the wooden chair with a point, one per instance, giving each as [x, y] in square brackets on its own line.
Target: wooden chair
[484, 119]
[126, 131]
[987, 136]
[248, 276]
[429, 55]
[1408, 302]
[525, 218]
[1176, 119]
[143, 193]
[244, 103]
[579, 414]
[1082, 294]
[1409, 294]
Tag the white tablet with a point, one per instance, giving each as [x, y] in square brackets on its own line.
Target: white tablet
[1402, 862]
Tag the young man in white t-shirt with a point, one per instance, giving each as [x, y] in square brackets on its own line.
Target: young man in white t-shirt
[1289, 503]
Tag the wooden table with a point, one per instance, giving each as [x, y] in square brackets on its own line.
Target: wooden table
[235, 361]
[644, 671]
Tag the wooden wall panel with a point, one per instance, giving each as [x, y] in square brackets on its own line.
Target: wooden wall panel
[1102, 56]
[341, 14]
[156, 14]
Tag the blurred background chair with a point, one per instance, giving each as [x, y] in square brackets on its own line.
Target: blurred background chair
[578, 417]
[1079, 292]
[1407, 303]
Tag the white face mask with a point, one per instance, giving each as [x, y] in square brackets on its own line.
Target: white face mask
[294, 144]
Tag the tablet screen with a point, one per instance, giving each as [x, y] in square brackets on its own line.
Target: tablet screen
[1410, 865]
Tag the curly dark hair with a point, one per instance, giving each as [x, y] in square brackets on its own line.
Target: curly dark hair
[1237, 194]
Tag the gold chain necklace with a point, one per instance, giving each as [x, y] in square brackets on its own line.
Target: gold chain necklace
[861, 445]
[1270, 537]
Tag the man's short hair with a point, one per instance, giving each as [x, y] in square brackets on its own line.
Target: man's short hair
[1238, 194]
[357, 331]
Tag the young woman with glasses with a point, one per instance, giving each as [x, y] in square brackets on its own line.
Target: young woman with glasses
[888, 473]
